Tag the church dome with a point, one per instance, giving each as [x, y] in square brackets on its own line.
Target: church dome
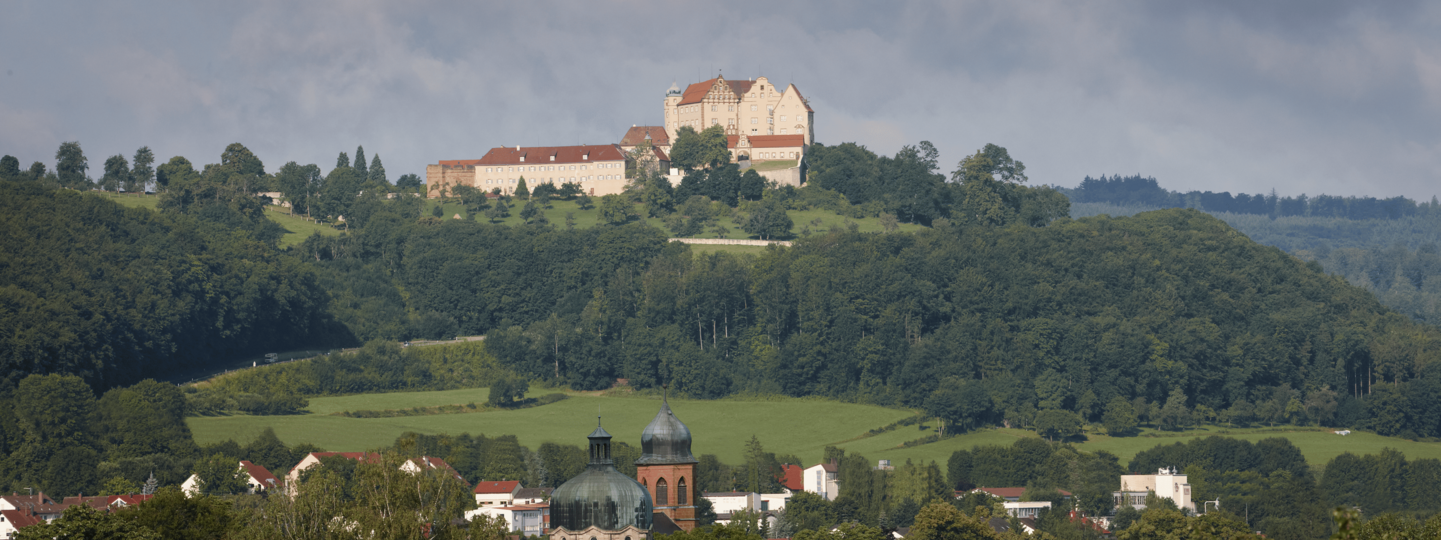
[674, 90]
[666, 440]
[600, 496]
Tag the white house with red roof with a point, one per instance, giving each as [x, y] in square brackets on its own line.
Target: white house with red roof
[496, 492]
[11, 521]
[257, 479]
[431, 463]
[20, 511]
[312, 459]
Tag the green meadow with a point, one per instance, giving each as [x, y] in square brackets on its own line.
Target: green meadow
[298, 228]
[803, 427]
[816, 221]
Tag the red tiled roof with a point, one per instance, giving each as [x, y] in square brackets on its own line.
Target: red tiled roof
[20, 519]
[768, 141]
[541, 154]
[490, 486]
[697, 92]
[792, 478]
[635, 135]
[437, 463]
[368, 457]
[260, 474]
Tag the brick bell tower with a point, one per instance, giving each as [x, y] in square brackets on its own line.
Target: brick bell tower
[666, 467]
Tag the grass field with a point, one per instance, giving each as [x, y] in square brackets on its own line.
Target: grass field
[803, 427]
[130, 199]
[297, 228]
[733, 250]
[818, 221]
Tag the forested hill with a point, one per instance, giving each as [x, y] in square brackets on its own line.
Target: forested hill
[1070, 316]
[116, 295]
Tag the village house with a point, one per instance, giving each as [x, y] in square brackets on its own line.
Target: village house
[257, 479]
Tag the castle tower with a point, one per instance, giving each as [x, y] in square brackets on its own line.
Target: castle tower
[672, 99]
[666, 467]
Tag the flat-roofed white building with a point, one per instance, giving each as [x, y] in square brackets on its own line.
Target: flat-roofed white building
[1165, 483]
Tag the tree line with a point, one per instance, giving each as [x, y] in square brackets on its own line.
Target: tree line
[1145, 191]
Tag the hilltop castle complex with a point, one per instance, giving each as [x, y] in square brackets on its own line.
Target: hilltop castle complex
[762, 123]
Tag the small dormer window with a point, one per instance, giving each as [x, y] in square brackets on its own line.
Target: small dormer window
[587, 156]
[552, 158]
[522, 158]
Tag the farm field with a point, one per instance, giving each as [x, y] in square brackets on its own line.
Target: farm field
[803, 427]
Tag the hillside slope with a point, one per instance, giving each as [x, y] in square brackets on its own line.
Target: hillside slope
[114, 294]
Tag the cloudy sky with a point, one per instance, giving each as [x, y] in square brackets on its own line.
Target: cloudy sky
[1301, 97]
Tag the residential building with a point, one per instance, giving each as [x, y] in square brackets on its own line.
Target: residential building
[821, 480]
[496, 492]
[1165, 483]
[11, 521]
[312, 459]
[749, 107]
[257, 479]
[20, 511]
[729, 502]
[431, 463]
[525, 519]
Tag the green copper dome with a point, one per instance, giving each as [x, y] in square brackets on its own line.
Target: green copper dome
[600, 496]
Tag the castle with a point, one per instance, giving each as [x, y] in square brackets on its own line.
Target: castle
[762, 123]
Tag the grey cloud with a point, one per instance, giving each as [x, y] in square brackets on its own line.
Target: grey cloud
[1240, 96]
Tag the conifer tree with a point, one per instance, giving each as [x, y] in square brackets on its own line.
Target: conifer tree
[377, 171]
[359, 164]
[343, 160]
[520, 189]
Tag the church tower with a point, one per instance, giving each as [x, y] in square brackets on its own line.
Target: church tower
[666, 467]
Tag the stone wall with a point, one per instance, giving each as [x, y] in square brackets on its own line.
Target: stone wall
[784, 177]
[447, 175]
[730, 241]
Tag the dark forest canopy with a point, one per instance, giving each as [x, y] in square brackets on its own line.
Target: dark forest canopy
[116, 295]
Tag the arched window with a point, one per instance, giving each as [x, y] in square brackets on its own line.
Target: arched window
[680, 492]
[661, 497]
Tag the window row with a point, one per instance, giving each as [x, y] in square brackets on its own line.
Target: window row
[662, 492]
[553, 168]
[562, 179]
